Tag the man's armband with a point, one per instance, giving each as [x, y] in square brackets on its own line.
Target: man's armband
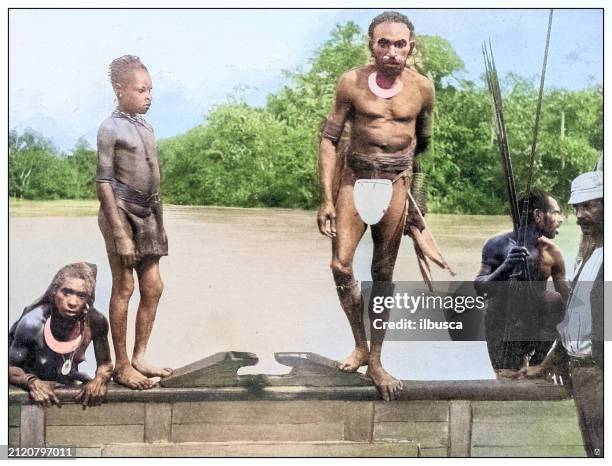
[419, 189]
[104, 179]
[423, 133]
[331, 131]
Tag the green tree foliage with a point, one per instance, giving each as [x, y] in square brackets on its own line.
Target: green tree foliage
[308, 97]
[82, 166]
[462, 163]
[435, 57]
[38, 171]
[242, 156]
[569, 140]
[246, 156]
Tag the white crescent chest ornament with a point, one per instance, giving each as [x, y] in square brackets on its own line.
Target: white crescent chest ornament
[66, 349]
[383, 93]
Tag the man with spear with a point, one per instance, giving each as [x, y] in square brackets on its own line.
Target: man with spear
[525, 257]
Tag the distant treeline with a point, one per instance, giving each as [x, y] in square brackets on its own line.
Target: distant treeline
[266, 156]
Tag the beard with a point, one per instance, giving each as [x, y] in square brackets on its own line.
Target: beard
[390, 68]
[589, 228]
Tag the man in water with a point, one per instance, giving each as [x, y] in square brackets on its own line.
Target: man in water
[48, 342]
[580, 347]
[130, 217]
[389, 109]
[520, 321]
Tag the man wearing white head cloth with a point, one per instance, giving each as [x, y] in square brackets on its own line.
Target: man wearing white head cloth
[579, 349]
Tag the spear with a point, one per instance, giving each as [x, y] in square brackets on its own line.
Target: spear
[519, 220]
[534, 141]
[502, 137]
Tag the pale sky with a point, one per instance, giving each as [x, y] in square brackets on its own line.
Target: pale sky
[59, 58]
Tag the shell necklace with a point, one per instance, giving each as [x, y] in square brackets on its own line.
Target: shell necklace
[381, 92]
[63, 348]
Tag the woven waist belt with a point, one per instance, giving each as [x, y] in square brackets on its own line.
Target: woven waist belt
[134, 196]
[381, 162]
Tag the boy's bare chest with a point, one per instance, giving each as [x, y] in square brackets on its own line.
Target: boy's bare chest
[137, 141]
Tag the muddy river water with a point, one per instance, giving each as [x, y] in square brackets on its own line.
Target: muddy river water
[254, 280]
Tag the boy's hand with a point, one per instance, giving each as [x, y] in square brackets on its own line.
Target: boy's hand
[125, 249]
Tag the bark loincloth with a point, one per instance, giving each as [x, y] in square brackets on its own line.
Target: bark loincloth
[142, 220]
[425, 246]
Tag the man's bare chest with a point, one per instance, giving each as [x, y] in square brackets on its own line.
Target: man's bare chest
[546, 262]
[406, 106]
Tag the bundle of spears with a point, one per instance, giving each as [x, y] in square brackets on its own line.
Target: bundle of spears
[502, 137]
[519, 215]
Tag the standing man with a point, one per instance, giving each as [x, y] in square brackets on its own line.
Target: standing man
[518, 324]
[389, 109]
[130, 217]
[580, 346]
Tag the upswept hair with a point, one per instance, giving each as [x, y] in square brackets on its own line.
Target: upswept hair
[121, 66]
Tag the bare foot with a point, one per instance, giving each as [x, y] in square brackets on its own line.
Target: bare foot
[131, 378]
[388, 386]
[359, 357]
[148, 370]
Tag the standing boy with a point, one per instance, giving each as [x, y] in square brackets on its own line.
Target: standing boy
[130, 217]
